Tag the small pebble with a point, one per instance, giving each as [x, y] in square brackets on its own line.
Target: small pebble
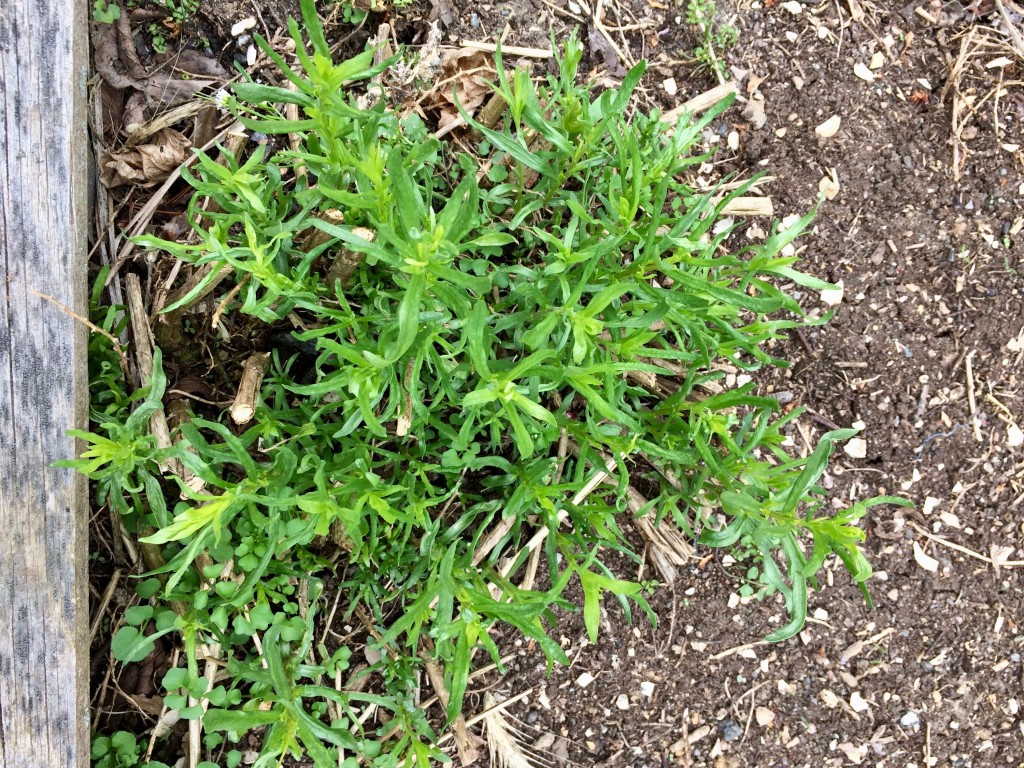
[622, 702]
[910, 720]
[730, 730]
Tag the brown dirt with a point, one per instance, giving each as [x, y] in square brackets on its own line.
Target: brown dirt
[930, 264]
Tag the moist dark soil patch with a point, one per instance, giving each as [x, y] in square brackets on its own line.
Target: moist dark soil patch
[929, 256]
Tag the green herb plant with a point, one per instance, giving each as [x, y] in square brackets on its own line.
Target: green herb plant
[517, 321]
[179, 11]
[350, 14]
[713, 37]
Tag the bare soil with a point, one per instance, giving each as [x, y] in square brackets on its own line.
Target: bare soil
[925, 350]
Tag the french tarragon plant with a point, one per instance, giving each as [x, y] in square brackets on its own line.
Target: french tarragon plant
[546, 304]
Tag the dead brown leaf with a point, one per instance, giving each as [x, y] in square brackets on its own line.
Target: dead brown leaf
[145, 164]
[464, 75]
[147, 93]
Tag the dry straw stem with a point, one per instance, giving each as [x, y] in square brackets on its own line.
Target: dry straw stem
[669, 548]
[579, 498]
[737, 649]
[964, 550]
[291, 112]
[471, 721]
[480, 672]
[1011, 28]
[504, 741]
[253, 371]
[101, 609]
[467, 743]
[597, 17]
[971, 402]
[92, 327]
[509, 50]
[977, 41]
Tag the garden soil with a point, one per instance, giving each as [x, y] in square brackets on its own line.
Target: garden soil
[923, 230]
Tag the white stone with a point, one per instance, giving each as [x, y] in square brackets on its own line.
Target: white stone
[861, 70]
[239, 27]
[833, 296]
[1014, 436]
[584, 680]
[925, 560]
[829, 128]
[910, 720]
[856, 448]
[857, 702]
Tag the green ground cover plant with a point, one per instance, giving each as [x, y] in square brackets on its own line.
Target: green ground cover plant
[483, 351]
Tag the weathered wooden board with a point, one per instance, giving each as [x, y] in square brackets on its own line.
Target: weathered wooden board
[44, 652]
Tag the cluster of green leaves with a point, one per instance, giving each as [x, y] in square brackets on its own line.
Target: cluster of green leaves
[179, 10]
[106, 12]
[356, 14]
[510, 300]
[714, 37]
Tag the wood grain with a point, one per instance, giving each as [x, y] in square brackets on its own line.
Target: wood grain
[43, 384]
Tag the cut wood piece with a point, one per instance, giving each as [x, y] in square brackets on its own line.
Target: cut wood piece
[347, 261]
[491, 111]
[749, 206]
[44, 387]
[701, 102]
[142, 347]
[253, 371]
[467, 743]
[313, 237]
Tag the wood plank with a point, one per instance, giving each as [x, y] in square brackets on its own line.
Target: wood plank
[44, 655]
